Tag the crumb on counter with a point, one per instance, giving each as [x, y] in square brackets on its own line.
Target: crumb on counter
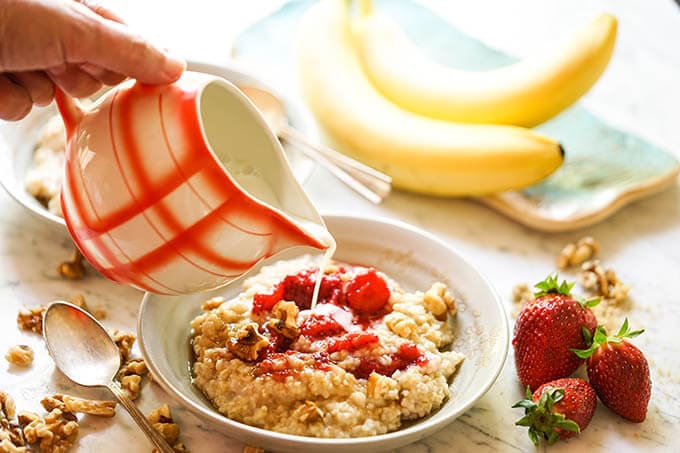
[521, 294]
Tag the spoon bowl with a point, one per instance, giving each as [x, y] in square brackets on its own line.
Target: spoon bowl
[80, 347]
[84, 351]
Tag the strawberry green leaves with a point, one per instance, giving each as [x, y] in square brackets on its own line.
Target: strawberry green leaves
[543, 423]
[600, 338]
[551, 285]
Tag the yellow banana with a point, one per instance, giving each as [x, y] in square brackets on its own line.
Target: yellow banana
[421, 154]
[525, 93]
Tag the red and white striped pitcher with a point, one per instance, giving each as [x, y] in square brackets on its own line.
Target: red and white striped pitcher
[180, 188]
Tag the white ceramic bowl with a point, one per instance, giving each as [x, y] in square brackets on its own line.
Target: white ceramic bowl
[413, 258]
[17, 141]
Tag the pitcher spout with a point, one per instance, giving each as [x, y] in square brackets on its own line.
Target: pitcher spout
[301, 233]
[71, 111]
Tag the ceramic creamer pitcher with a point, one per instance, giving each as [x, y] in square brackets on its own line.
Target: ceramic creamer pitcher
[179, 188]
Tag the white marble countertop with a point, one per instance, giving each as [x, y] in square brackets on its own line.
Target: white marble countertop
[642, 242]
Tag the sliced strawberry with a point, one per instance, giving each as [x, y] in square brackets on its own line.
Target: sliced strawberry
[619, 372]
[558, 409]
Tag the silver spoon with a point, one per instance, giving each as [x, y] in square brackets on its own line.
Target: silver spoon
[368, 182]
[83, 350]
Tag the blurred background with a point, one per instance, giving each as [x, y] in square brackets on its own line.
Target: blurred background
[638, 87]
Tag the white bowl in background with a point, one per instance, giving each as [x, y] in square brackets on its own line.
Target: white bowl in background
[414, 259]
[18, 139]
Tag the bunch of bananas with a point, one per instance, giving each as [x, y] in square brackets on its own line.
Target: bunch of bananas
[434, 129]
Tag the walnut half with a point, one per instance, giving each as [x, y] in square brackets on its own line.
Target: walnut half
[577, 252]
[247, 342]
[439, 300]
[20, 355]
[284, 319]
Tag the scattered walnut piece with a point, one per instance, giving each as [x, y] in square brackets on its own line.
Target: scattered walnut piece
[20, 355]
[124, 341]
[439, 300]
[603, 283]
[91, 407]
[11, 436]
[284, 319]
[7, 406]
[213, 303]
[251, 449]
[308, 412]
[247, 342]
[576, 253]
[31, 318]
[73, 269]
[69, 405]
[54, 434]
[56, 401]
[130, 377]
[613, 293]
[161, 420]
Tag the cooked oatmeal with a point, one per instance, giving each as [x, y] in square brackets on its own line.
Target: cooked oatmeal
[44, 177]
[367, 358]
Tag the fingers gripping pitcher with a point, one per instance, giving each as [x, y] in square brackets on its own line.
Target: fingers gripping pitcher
[180, 188]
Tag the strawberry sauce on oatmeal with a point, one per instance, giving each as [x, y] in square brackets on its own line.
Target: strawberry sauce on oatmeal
[367, 357]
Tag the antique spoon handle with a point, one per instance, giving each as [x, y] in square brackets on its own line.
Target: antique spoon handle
[153, 435]
[368, 182]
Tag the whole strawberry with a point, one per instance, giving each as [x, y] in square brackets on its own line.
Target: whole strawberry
[619, 372]
[558, 409]
[546, 331]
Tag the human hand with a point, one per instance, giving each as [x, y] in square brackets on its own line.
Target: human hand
[76, 44]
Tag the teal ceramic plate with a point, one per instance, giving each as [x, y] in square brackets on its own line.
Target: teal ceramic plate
[605, 168]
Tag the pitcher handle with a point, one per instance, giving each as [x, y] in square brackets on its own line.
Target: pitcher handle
[70, 109]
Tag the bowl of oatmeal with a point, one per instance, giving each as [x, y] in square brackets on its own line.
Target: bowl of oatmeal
[32, 150]
[404, 337]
